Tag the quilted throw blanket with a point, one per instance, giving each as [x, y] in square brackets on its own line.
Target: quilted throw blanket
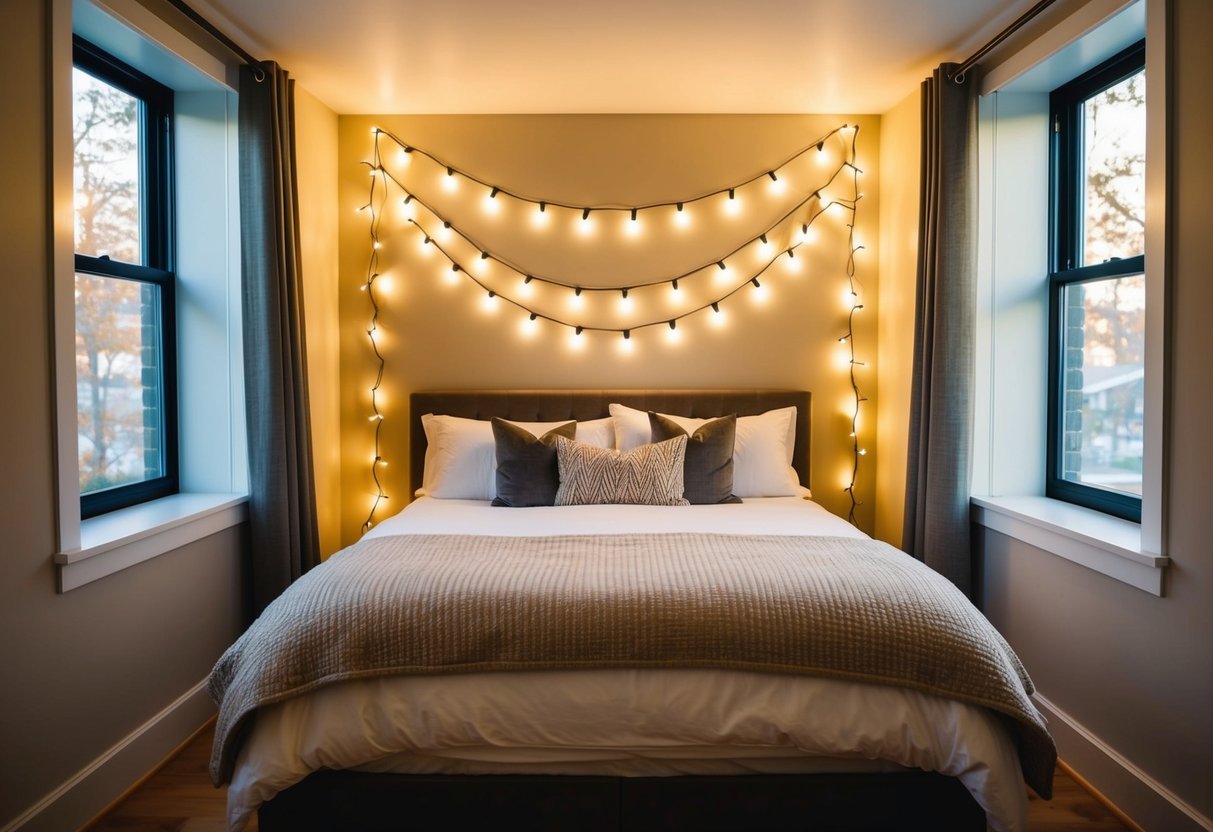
[848, 609]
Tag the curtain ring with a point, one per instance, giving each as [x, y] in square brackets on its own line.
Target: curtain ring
[258, 74]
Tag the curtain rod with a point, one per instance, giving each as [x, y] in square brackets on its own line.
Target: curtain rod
[959, 75]
[218, 35]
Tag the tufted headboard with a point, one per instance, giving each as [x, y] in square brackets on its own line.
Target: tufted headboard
[583, 405]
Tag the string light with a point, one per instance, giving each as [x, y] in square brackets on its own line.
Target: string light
[681, 218]
[451, 178]
[372, 275]
[849, 337]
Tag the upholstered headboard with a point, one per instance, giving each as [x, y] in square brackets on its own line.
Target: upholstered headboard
[583, 405]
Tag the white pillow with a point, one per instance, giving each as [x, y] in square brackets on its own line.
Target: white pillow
[762, 451]
[461, 457]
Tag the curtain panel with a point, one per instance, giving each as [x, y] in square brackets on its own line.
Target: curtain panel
[941, 407]
[282, 501]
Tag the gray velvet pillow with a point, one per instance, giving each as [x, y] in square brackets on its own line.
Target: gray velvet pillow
[708, 472]
[526, 465]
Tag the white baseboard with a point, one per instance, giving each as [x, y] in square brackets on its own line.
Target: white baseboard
[85, 794]
[1149, 803]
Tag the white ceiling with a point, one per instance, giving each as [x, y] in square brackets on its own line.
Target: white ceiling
[610, 56]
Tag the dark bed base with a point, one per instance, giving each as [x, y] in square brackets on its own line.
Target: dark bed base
[332, 800]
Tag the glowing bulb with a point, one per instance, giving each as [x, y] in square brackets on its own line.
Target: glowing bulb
[386, 285]
[765, 247]
[488, 303]
[848, 298]
[576, 340]
[777, 187]
[585, 225]
[732, 205]
[539, 219]
[626, 344]
[374, 131]
[682, 217]
[626, 306]
[631, 227]
[760, 293]
[719, 317]
[823, 158]
[525, 289]
[426, 248]
[724, 275]
[808, 235]
[377, 245]
[791, 263]
[450, 183]
[673, 335]
[408, 210]
[492, 206]
[444, 234]
[403, 157]
[529, 326]
[576, 300]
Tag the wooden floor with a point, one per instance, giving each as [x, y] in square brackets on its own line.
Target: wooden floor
[180, 798]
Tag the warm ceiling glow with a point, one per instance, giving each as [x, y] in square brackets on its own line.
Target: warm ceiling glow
[631, 227]
[424, 247]
[450, 183]
[732, 205]
[528, 328]
[718, 319]
[489, 304]
[682, 219]
[576, 342]
[673, 336]
[765, 249]
[626, 306]
[443, 234]
[759, 294]
[585, 227]
[576, 301]
[491, 206]
[777, 187]
[792, 265]
[627, 345]
[402, 158]
[539, 219]
[526, 290]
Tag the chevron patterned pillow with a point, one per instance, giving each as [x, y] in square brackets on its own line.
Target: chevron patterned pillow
[651, 475]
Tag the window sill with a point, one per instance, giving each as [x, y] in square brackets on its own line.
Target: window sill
[114, 541]
[1098, 541]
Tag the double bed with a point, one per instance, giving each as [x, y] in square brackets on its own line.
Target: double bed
[692, 680]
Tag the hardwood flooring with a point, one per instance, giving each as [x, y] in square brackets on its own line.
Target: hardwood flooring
[180, 798]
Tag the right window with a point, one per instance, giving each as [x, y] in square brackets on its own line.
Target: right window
[1097, 287]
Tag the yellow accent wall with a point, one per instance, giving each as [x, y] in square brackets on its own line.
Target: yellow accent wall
[437, 331]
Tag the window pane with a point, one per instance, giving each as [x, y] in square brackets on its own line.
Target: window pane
[1103, 393]
[106, 139]
[118, 376]
[1114, 143]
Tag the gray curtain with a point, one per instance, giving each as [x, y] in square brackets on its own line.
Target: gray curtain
[941, 406]
[282, 500]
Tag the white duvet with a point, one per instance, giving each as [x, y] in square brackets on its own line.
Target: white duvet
[624, 722]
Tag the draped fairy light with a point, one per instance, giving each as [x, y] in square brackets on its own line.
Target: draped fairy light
[439, 232]
[372, 275]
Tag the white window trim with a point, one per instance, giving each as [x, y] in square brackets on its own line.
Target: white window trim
[1129, 552]
[92, 549]
[120, 539]
[1098, 541]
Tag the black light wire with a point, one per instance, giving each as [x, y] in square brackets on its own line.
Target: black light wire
[818, 144]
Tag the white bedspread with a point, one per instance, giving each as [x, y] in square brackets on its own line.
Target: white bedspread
[624, 722]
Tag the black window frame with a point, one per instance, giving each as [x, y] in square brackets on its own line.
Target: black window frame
[157, 243]
[1067, 171]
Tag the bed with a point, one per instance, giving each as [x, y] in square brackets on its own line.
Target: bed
[623, 741]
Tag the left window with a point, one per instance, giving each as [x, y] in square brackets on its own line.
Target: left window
[124, 283]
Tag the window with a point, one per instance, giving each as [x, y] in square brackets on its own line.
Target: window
[126, 398]
[1097, 287]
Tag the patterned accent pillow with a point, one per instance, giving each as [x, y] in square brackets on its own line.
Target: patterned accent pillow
[651, 475]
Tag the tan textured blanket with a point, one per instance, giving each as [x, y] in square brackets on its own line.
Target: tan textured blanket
[839, 607]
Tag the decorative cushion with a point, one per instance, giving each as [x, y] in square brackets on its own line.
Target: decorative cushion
[708, 471]
[649, 475]
[460, 454]
[526, 464]
[762, 449]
